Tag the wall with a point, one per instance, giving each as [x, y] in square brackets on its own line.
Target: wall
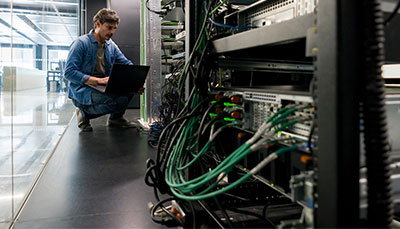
[128, 34]
[92, 6]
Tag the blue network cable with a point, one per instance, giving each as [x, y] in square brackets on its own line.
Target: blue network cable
[227, 26]
[231, 27]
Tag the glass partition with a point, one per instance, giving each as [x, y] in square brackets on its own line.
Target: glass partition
[34, 41]
[6, 188]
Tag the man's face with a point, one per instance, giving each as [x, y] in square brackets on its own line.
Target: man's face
[106, 30]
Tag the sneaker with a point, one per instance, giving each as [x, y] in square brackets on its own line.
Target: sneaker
[121, 122]
[83, 124]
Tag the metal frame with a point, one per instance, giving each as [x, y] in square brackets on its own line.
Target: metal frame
[82, 17]
[154, 80]
[337, 73]
[188, 45]
[191, 14]
[338, 114]
[294, 29]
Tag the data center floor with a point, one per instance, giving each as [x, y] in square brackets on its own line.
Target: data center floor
[94, 180]
[31, 123]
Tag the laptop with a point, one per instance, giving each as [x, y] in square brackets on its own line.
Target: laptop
[124, 79]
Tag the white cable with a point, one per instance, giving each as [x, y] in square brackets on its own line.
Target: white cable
[262, 143]
[213, 136]
[263, 163]
[212, 131]
[261, 130]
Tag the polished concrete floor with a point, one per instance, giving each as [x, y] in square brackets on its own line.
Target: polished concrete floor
[31, 123]
[94, 180]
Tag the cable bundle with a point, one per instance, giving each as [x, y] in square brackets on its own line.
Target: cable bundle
[202, 186]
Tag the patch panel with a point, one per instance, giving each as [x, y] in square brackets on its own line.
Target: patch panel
[269, 12]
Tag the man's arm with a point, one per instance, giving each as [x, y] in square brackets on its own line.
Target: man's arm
[96, 81]
[74, 65]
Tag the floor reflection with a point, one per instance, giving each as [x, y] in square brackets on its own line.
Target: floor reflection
[31, 123]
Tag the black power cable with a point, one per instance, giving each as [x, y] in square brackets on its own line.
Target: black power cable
[211, 213]
[153, 11]
[194, 112]
[160, 204]
[379, 212]
[154, 176]
[394, 13]
[193, 213]
[228, 218]
[203, 119]
[240, 211]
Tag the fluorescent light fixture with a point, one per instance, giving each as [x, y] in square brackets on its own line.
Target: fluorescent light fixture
[48, 2]
[55, 23]
[391, 71]
[16, 175]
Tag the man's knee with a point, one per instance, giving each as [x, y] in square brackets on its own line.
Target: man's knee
[121, 103]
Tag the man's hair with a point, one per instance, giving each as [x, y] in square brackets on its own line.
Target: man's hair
[106, 15]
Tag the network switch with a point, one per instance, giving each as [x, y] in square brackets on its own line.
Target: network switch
[268, 12]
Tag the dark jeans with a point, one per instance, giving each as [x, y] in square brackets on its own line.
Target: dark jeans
[105, 103]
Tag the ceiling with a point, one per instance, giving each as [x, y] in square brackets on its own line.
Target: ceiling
[44, 22]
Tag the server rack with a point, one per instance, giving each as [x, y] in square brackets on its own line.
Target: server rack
[328, 40]
[337, 27]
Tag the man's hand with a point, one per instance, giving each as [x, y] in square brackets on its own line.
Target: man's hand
[97, 81]
[140, 91]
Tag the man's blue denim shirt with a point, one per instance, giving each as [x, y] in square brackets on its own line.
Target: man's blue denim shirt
[81, 62]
